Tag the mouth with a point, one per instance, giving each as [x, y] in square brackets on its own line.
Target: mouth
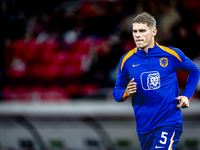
[139, 41]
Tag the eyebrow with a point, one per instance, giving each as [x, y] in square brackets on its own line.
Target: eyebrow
[139, 30]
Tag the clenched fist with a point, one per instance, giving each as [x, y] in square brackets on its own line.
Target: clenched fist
[131, 87]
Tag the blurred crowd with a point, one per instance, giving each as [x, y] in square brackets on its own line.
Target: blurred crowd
[65, 49]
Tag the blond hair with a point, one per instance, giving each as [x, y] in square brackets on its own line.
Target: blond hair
[145, 18]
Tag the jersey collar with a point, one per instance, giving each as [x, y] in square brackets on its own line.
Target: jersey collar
[151, 51]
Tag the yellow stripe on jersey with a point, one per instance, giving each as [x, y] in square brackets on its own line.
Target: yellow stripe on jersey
[129, 54]
[125, 95]
[171, 51]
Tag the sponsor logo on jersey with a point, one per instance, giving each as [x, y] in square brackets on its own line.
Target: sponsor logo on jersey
[163, 62]
[150, 80]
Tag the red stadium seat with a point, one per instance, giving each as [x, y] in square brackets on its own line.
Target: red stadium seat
[35, 71]
[18, 48]
[89, 90]
[70, 72]
[61, 58]
[50, 72]
[73, 89]
[50, 46]
[54, 94]
[32, 50]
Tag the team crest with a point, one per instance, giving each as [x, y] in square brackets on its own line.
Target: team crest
[164, 62]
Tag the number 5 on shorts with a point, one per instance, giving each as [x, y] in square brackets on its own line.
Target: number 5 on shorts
[163, 135]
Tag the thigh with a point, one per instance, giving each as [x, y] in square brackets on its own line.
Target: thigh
[166, 138]
[146, 140]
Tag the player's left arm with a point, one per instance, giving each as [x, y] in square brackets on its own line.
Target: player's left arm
[185, 64]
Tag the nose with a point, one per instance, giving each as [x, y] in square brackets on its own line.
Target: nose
[136, 34]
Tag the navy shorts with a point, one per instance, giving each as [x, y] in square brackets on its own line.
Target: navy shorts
[162, 138]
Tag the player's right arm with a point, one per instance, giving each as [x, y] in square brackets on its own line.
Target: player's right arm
[131, 87]
[123, 87]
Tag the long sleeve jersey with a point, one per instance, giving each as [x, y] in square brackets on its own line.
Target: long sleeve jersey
[154, 72]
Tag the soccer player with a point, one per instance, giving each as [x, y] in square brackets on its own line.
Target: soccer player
[147, 73]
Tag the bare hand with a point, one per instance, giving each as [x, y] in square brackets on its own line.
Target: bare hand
[131, 87]
[184, 102]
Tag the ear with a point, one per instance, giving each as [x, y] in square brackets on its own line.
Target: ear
[154, 32]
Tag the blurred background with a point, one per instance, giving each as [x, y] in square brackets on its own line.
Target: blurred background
[58, 66]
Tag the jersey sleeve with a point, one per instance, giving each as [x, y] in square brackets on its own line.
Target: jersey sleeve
[185, 64]
[122, 80]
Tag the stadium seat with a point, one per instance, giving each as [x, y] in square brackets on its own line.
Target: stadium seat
[18, 47]
[60, 58]
[32, 50]
[70, 72]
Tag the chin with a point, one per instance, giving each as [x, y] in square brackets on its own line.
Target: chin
[140, 47]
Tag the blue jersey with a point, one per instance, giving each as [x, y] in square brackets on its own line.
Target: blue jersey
[154, 72]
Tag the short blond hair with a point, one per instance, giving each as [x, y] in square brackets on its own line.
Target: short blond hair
[145, 18]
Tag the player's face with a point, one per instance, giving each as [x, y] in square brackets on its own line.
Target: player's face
[143, 35]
